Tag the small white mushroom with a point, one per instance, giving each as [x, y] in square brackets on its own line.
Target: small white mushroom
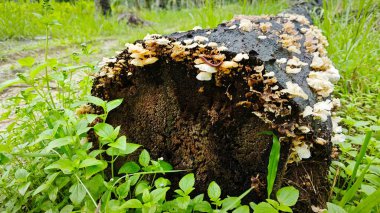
[204, 76]
[304, 129]
[206, 68]
[188, 41]
[303, 151]
[200, 39]
[307, 111]
[281, 61]
[229, 64]
[212, 44]
[294, 90]
[322, 110]
[240, 56]
[191, 46]
[246, 25]
[269, 74]
[259, 68]
[319, 81]
[222, 48]
[321, 141]
[294, 65]
[162, 41]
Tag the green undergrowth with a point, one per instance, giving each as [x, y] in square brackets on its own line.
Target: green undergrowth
[79, 22]
[352, 29]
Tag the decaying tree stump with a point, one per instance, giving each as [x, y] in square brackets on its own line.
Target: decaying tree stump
[199, 99]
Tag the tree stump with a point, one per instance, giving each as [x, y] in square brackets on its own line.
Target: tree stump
[199, 99]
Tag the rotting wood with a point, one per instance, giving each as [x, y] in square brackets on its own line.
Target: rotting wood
[199, 99]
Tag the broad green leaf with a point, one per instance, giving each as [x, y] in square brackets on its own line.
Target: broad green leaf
[65, 165]
[213, 191]
[187, 183]
[47, 184]
[242, 209]
[129, 167]
[21, 175]
[274, 203]
[97, 101]
[90, 162]
[78, 192]
[60, 142]
[159, 194]
[114, 206]
[104, 130]
[113, 104]
[140, 187]
[23, 188]
[230, 203]
[333, 208]
[161, 182]
[165, 165]
[284, 208]
[35, 71]
[131, 147]
[91, 170]
[146, 197]
[120, 143]
[144, 158]
[123, 189]
[26, 62]
[273, 164]
[203, 206]
[53, 191]
[67, 209]
[233, 202]
[132, 204]
[183, 202]
[287, 196]
[264, 207]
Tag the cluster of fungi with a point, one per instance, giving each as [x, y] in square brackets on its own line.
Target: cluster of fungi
[279, 62]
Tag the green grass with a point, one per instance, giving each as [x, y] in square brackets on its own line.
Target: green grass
[352, 29]
[79, 22]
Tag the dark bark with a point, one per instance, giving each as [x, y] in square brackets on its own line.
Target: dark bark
[209, 126]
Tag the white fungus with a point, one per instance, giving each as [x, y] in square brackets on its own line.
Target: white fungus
[281, 61]
[294, 90]
[240, 56]
[303, 151]
[246, 25]
[200, 39]
[204, 76]
[206, 68]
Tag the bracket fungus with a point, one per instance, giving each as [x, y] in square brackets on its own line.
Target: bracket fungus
[200, 98]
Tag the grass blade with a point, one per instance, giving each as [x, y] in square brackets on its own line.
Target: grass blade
[360, 157]
[368, 203]
[273, 164]
[350, 193]
[9, 83]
